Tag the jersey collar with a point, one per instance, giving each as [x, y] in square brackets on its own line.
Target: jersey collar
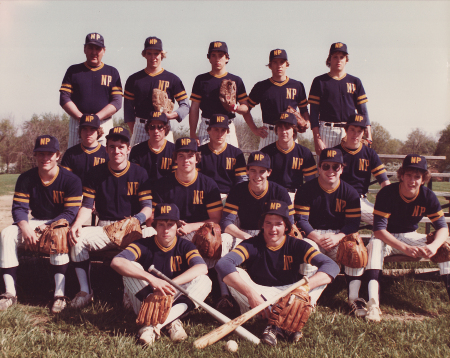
[219, 76]
[154, 74]
[276, 248]
[262, 194]
[187, 184]
[95, 68]
[335, 77]
[279, 83]
[285, 151]
[166, 249]
[87, 151]
[117, 175]
[53, 179]
[157, 151]
[219, 151]
[405, 199]
[352, 152]
[331, 190]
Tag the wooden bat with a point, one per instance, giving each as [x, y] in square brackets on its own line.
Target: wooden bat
[241, 331]
[213, 336]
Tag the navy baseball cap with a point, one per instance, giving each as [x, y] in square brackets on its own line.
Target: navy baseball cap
[331, 155]
[259, 159]
[95, 39]
[46, 143]
[338, 47]
[218, 46]
[278, 53]
[415, 161]
[90, 120]
[277, 207]
[119, 132]
[358, 120]
[166, 211]
[158, 116]
[153, 43]
[219, 121]
[287, 117]
[186, 144]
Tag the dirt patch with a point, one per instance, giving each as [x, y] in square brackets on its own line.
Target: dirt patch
[5, 211]
[407, 317]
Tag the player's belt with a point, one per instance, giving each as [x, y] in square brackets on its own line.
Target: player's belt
[291, 190]
[335, 124]
[271, 127]
[142, 120]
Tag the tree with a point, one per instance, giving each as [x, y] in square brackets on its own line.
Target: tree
[419, 142]
[443, 148]
[382, 142]
[8, 143]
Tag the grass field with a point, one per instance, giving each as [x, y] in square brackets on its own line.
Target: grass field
[7, 183]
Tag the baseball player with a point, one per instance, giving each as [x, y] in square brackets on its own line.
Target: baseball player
[139, 88]
[91, 88]
[205, 97]
[116, 188]
[398, 209]
[177, 258]
[277, 93]
[291, 162]
[89, 153]
[155, 155]
[361, 162]
[51, 193]
[273, 260]
[333, 97]
[222, 162]
[327, 209]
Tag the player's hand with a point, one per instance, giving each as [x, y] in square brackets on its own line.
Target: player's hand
[172, 115]
[73, 234]
[162, 286]
[427, 251]
[30, 238]
[413, 251]
[319, 146]
[254, 300]
[262, 132]
[185, 228]
[330, 240]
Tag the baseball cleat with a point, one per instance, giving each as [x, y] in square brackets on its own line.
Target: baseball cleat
[176, 331]
[294, 337]
[270, 334]
[148, 335]
[7, 300]
[358, 307]
[373, 311]
[59, 303]
[82, 299]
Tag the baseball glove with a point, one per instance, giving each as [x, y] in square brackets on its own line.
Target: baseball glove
[154, 309]
[161, 102]
[53, 239]
[295, 232]
[124, 232]
[292, 311]
[352, 252]
[227, 94]
[208, 240]
[443, 253]
[302, 123]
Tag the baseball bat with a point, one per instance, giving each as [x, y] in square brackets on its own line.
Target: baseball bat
[213, 336]
[241, 331]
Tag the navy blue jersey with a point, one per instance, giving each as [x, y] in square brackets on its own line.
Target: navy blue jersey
[79, 159]
[226, 167]
[397, 214]
[337, 98]
[195, 199]
[242, 202]
[116, 195]
[275, 266]
[206, 91]
[157, 163]
[58, 199]
[275, 97]
[139, 91]
[361, 163]
[172, 261]
[289, 167]
[92, 88]
[320, 209]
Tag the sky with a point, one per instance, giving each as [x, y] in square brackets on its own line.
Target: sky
[400, 50]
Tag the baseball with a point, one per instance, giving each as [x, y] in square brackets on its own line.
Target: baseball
[231, 346]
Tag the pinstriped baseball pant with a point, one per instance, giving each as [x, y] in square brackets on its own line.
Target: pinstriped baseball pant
[203, 135]
[366, 211]
[140, 135]
[11, 238]
[331, 136]
[378, 250]
[199, 287]
[74, 139]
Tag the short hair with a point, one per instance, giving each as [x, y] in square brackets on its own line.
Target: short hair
[226, 55]
[327, 62]
[287, 223]
[163, 53]
[57, 152]
[166, 127]
[287, 63]
[99, 131]
[198, 155]
[116, 138]
[209, 128]
[154, 222]
[426, 175]
[294, 126]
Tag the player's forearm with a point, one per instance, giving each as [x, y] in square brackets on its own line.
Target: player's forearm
[234, 280]
[126, 268]
[72, 110]
[183, 109]
[249, 120]
[234, 231]
[129, 114]
[314, 236]
[193, 118]
[69, 213]
[83, 215]
[441, 236]
[386, 182]
[303, 224]
[319, 279]
[243, 109]
[147, 211]
[390, 240]
[369, 132]
[106, 112]
[191, 273]
[314, 117]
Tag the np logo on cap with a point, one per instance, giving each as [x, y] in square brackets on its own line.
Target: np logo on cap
[338, 47]
[259, 159]
[153, 43]
[277, 207]
[415, 161]
[186, 144]
[219, 121]
[117, 132]
[95, 39]
[158, 116]
[46, 143]
[357, 120]
[166, 211]
[331, 155]
[89, 120]
[287, 117]
[217, 46]
[278, 53]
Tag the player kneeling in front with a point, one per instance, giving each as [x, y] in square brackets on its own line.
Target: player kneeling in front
[53, 194]
[398, 209]
[175, 257]
[273, 261]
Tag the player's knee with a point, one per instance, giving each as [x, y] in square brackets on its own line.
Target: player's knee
[7, 234]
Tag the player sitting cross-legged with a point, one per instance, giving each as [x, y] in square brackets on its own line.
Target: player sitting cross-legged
[399, 207]
[273, 260]
[176, 258]
[51, 193]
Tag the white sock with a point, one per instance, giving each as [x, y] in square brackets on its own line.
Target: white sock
[9, 284]
[175, 312]
[374, 288]
[223, 288]
[82, 279]
[353, 290]
[60, 284]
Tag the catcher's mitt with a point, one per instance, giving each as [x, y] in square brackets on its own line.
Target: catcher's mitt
[124, 232]
[161, 102]
[208, 240]
[443, 253]
[154, 309]
[302, 123]
[292, 311]
[295, 232]
[227, 94]
[352, 252]
[53, 239]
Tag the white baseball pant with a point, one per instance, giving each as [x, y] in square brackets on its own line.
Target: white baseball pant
[331, 136]
[140, 135]
[74, 138]
[203, 135]
[11, 238]
[366, 211]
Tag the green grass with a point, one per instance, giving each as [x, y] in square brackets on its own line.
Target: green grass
[7, 183]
